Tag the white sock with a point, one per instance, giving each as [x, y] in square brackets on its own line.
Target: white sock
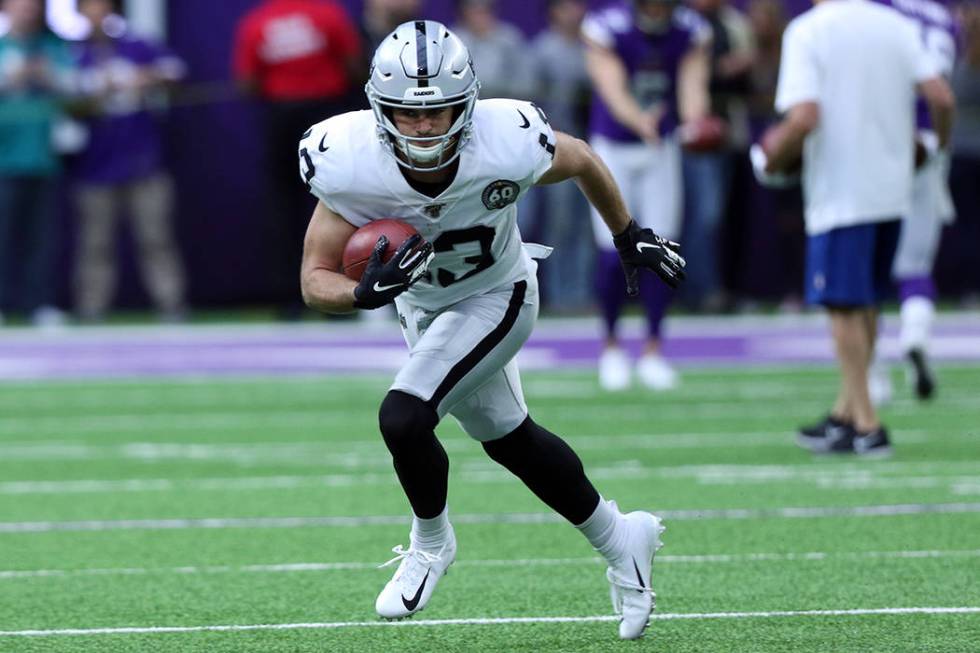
[917, 314]
[431, 533]
[600, 529]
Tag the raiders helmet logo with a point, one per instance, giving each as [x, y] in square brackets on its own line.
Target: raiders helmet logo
[500, 193]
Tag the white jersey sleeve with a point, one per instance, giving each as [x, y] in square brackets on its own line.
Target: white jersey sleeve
[799, 72]
[540, 148]
[326, 161]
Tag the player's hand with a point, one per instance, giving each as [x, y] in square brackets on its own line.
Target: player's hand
[769, 179]
[382, 282]
[926, 148]
[641, 248]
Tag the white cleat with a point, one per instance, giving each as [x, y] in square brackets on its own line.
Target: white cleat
[615, 371]
[656, 373]
[411, 587]
[630, 583]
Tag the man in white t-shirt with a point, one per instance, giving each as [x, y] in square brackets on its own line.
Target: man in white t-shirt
[847, 86]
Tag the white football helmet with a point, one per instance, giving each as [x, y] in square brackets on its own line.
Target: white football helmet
[423, 65]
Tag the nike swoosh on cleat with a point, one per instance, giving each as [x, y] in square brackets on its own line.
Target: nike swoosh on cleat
[410, 604]
[379, 288]
[527, 123]
[636, 568]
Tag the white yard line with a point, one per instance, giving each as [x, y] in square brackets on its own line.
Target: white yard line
[482, 621]
[480, 518]
[315, 418]
[297, 567]
[480, 473]
[365, 453]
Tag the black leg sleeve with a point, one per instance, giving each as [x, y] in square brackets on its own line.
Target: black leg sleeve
[549, 467]
[408, 427]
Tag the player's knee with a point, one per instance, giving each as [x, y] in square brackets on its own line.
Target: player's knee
[403, 418]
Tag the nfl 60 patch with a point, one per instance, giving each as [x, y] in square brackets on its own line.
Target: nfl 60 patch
[500, 193]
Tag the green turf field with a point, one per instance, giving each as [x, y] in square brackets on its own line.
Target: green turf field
[149, 505]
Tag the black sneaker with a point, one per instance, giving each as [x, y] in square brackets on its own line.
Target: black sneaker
[925, 382]
[874, 444]
[830, 435]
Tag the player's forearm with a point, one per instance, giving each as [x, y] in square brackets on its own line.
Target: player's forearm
[611, 83]
[598, 185]
[693, 101]
[327, 291]
[942, 122]
[788, 146]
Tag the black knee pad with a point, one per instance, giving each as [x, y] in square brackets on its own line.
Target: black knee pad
[404, 419]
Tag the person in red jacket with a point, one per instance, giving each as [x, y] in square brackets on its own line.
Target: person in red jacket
[302, 60]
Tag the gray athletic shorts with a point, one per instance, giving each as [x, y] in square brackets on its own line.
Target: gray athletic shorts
[461, 358]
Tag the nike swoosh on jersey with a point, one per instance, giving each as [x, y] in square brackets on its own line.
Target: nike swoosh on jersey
[379, 288]
[527, 123]
[321, 146]
[414, 601]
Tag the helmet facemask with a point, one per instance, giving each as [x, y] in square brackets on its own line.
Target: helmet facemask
[422, 65]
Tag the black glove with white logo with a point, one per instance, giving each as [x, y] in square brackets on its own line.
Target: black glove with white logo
[641, 248]
[382, 282]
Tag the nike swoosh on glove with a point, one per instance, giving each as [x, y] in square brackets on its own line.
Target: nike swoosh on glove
[383, 281]
[641, 248]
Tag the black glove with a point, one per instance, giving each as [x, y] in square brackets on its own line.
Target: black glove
[382, 282]
[641, 248]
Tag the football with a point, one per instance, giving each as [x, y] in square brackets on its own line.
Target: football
[768, 141]
[358, 249]
[704, 135]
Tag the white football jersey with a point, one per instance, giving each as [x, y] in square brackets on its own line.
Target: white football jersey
[472, 225]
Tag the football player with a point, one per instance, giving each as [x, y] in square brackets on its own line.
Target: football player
[648, 60]
[932, 206]
[429, 153]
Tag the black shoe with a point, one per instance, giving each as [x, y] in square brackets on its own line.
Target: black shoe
[874, 444]
[830, 435]
[925, 382]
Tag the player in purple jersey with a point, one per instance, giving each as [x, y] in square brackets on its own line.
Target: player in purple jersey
[121, 169]
[648, 60]
[932, 208]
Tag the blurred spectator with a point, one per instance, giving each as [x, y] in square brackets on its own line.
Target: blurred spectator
[498, 49]
[649, 62]
[965, 172]
[708, 175]
[563, 89]
[774, 217]
[121, 169]
[381, 17]
[35, 67]
[302, 59]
